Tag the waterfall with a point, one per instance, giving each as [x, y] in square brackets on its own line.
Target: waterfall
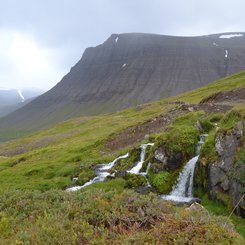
[182, 191]
[145, 174]
[101, 171]
[136, 169]
[111, 164]
[101, 174]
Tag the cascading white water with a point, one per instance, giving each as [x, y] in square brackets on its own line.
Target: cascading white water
[101, 174]
[111, 164]
[146, 173]
[136, 169]
[182, 191]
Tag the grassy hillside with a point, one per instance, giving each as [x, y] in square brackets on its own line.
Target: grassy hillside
[49, 159]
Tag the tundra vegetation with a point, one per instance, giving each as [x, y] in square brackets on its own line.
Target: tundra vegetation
[36, 169]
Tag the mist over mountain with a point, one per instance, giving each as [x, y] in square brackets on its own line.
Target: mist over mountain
[13, 99]
[131, 69]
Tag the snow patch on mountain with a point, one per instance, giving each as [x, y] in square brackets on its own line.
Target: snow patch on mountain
[228, 36]
[21, 95]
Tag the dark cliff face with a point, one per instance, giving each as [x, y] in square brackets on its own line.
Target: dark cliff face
[224, 178]
[131, 69]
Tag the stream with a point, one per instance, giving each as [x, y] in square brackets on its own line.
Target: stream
[182, 191]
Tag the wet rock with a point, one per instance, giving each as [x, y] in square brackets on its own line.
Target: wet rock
[224, 175]
[195, 200]
[166, 162]
[74, 180]
[199, 126]
[160, 155]
[121, 174]
[225, 183]
[174, 161]
[110, 177]
[238, 197]
[238, 130]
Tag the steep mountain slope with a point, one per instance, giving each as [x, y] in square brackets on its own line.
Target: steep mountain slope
[131, 69]
[70, 152]
[13, 99]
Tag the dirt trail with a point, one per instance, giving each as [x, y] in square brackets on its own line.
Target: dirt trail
[135, 134]
[227, 97]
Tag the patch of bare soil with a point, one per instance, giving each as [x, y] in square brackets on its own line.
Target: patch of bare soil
[135, 134]
[231, 96]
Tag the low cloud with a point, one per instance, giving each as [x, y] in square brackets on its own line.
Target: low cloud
[54, 34]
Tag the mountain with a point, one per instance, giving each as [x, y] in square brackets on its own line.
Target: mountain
[131, 69]
[13, 99]
[36, 170]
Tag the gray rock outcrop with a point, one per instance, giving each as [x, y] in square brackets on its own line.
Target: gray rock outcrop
[223, 176]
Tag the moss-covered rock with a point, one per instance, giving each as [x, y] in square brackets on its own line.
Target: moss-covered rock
[84, 176]
[162, 181]
[221, 169]
[133, 180]
[127, 163]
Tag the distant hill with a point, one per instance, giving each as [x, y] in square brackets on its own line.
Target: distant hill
[131, 69]
[13, 99]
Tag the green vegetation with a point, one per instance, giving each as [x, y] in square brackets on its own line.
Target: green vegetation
[128, 163]
[183, 135]
[216, 208]
[162, 181]
[35, 169]
[197, 95]
[102, 217]
[133, 180]
[181, 138]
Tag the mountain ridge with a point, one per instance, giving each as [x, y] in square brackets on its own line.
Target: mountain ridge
[129, 70]
[36, 170]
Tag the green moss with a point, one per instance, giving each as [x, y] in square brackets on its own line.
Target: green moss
[206, 125]
[229, 120]
[162, 181]
[127, 163]
[133, 180]
[215, 117]
[181, 139]
[85, 176]
[225, 199]
[208, 153]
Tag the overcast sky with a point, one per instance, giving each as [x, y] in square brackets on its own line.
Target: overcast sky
[41, 39]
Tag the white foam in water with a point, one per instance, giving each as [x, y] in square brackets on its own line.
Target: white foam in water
[145, 174]
[101, 174]
[111, 164]
[136, 169]
[182, 191]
